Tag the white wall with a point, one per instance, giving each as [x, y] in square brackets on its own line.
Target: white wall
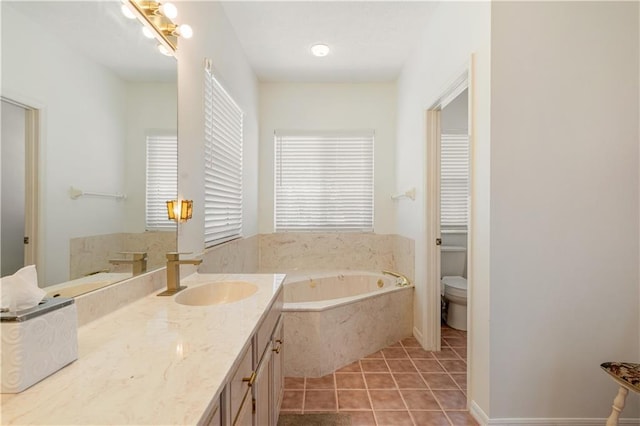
[152, 108]
[564, 205]
[426, 75]
[82, 136]
[215, 39]
[300, 106]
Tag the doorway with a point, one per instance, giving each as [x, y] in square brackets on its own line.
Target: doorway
[18, 186]
[454, 231]
[454, 210]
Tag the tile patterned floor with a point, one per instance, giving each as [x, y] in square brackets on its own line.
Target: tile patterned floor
[399, 385]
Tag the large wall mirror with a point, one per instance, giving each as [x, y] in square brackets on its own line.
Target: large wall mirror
[101, 101]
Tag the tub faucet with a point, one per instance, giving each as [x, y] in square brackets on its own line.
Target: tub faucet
[138, 261]
[173, 272]
[401, 280]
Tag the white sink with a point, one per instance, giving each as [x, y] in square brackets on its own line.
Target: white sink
[216, 293]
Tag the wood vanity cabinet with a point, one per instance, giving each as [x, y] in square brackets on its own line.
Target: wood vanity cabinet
[277, 363]
[267, 389]
[240, 399]
[253, 395]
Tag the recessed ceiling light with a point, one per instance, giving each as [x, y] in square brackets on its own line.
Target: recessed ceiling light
[320, 50]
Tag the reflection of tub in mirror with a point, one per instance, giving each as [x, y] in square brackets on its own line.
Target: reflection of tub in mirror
[100, 91]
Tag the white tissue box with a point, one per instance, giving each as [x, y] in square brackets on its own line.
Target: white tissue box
[37, 342]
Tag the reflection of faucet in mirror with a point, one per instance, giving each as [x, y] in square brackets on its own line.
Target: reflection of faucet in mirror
[138, 261]
[173, 272]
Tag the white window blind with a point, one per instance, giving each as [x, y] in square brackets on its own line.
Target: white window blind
[454, 180]
[223, 164]
[162, 180]
[324, 182]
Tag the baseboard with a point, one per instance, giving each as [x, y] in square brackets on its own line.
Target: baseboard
[418, 335]
[559, 422]
[484, 420]
[478, 413]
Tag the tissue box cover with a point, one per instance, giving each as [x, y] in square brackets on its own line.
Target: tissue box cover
[37, 342]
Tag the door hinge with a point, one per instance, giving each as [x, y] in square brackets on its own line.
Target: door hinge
[438, 241]
[26, 240]
[253, 405]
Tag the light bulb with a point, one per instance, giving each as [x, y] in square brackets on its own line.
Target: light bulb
[147, 32]
[185, 31]
[163, 49]
[169, 10]
[320, 50]
[127, 12]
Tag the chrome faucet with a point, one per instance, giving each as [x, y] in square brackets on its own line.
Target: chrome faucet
[173, 272]
[138, 262]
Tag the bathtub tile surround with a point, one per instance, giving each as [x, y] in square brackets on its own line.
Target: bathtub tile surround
[291, 251]
[404, 256]
[331, 321]
[374, 391]
[237, 256]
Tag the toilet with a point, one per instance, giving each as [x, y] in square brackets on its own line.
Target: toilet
[454, 285]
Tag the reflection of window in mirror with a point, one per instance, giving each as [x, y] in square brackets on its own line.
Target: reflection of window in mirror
[162, 185]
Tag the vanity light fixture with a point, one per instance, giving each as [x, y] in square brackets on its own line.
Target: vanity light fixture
[148, 33]
[168, 9]
[127, 12]
[163, 49]
[320, 50]
[180, 211]
[157, 19]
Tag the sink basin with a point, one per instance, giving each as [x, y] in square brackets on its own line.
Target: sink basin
[216, 293]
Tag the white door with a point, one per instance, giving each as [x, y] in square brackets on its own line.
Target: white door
[12, 155]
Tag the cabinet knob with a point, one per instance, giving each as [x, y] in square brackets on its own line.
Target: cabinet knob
[281, 341]
[276, 350]
[251, 379]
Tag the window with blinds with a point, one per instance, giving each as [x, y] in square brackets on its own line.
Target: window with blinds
[324, 181]
[454, 180]
[223, 164]
[162, 180]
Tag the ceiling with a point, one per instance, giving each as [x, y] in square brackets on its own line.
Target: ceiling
[369, 40]
[99, 30]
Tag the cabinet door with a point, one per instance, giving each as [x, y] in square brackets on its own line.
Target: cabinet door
[277, 370]
[261, 388]
[239, 391]
[215, 419]
[244, 417]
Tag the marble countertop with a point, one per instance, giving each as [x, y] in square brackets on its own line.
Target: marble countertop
[153, 361]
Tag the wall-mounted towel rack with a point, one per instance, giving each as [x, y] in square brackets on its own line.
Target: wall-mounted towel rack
[76, 193]
[410, 193]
